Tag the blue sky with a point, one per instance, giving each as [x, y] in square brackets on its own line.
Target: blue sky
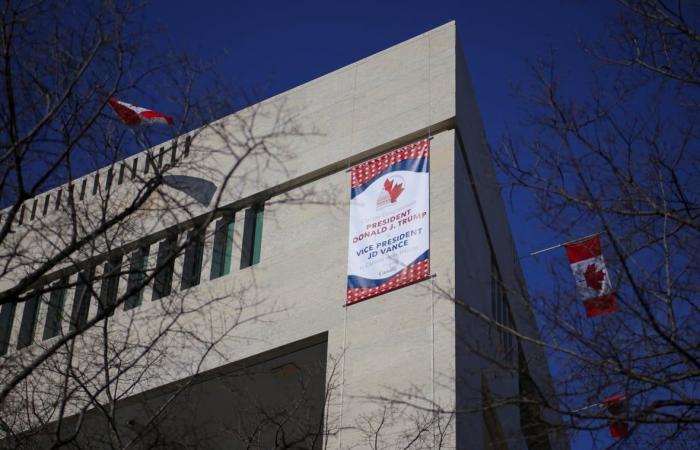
[272, 46]
[275, 45]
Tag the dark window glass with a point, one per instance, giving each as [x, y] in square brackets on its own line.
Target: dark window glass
[192, 265]
[120, 177]
[173, 153]
[34, 209]
[165, 264]
[58, 198]
[81, 300]
[7, 318]
[110, 177]
[161, 155]
[138, 262]
[47, 200]
[96, 184]
[134, 168]
[28, 324]
[54, 312]
[110, 284]
[500, 312]
[22, 210]
[151, 162]
[71, 195]
[252, 236]
[186, 150]
[83, 187]
[223, 245]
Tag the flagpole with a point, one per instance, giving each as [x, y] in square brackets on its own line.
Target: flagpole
[586, 408]
[561, 245]
[546, 249]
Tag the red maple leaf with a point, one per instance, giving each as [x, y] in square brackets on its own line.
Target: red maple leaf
[594, 277]
[394, 190]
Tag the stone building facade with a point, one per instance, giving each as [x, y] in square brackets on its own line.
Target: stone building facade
[262, 349]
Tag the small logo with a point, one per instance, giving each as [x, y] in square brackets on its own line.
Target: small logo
[393, 188]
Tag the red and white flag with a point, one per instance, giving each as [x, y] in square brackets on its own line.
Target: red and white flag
[135, 115]
[617, 406]
[592, 280]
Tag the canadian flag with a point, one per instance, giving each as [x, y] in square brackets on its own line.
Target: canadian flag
[135, 115]
[592, 280]
[617, 406]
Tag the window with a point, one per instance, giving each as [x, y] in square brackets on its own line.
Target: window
[58, 197]
[165, 263]
[173, 153]
[28, 324]
[134, 168]
[120, 177]
[192, 265]
[151, 162]
[110, 179]
[7, 318]
[71, 195]
[34, 209]
[96, 183]
[137, 274]
[83, 187]
[223, 244]
[186, 150]
[22, 210]
[47, 200]
[500, 312]
[161, 155]
[110, 284]
[54, 312]
[252, 236]
[81, 300]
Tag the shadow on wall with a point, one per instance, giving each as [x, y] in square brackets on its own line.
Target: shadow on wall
[199, 189]
[276, 402]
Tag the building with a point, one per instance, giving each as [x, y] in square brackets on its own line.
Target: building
[225, 289]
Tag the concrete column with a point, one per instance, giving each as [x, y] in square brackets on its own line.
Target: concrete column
[208, 251]
[95, 291]
[68, 304]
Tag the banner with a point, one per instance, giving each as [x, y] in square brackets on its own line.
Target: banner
[389, 242]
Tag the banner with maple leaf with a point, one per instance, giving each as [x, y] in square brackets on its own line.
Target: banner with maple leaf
[591, 275]
[388, 246]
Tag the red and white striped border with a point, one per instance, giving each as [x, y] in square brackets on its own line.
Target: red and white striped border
[411, 274]
[367, 170]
